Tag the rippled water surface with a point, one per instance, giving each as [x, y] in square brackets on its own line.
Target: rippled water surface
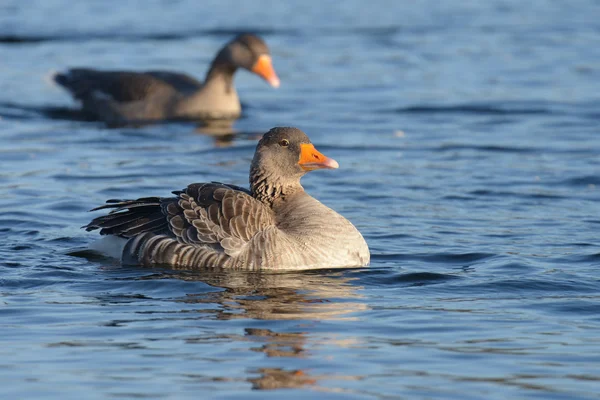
[468, 135]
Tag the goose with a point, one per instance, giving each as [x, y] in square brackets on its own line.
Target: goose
[274, 225]
[124, 97]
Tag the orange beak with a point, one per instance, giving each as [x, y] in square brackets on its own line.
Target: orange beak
[311, 159]
[264, 68]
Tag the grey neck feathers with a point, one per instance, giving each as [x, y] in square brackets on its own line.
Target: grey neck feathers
[221, 69]
[269, 187]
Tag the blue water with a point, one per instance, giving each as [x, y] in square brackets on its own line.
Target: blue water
[468, 136]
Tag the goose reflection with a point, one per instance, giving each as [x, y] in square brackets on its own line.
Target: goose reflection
[309, 296]
[225, 135]
[277, 378]
[280, 296]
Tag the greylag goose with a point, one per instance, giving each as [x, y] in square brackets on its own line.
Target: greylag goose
[274, 225]
[120, 97]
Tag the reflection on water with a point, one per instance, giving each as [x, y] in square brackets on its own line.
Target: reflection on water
[309, 296]
[286, 345]
[290, 296]
[224, 136]
[277, 378]
[277, 344]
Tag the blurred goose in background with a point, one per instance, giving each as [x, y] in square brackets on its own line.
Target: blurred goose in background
[274, 225]
[121, 97]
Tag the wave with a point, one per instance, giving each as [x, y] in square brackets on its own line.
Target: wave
[478, 109]
[17, 39]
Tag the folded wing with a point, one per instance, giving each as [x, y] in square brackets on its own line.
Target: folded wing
[120, 86]
[214, 215]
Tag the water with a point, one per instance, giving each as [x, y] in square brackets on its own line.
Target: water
[468, 139]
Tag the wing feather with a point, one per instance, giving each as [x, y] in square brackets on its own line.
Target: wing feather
[129, 218]
[121, 86]
[211, 215]
[223, 214]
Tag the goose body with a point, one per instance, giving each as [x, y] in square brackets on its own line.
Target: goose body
[120, 97]
[274, 225]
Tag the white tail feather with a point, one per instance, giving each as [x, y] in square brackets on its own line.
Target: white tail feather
[110, 246]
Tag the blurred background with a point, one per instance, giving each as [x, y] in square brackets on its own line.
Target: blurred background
[468, 138]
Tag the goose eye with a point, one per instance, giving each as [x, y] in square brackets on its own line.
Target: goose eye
[284, 143]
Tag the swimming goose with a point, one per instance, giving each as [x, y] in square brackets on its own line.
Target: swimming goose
[274, 225]
[119, 97]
